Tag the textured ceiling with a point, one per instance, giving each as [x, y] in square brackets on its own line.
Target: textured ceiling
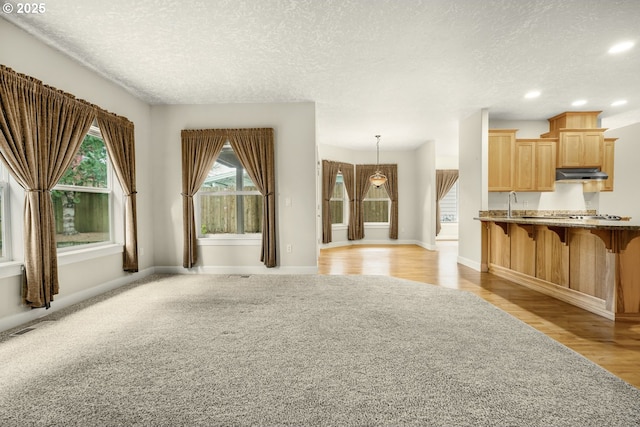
[405, 69]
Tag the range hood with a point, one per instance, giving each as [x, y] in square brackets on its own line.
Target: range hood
[580, 174]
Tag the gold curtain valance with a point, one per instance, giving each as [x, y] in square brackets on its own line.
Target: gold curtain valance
[26, 82]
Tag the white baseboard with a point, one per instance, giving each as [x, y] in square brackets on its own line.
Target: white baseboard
[236, 270]
[61, 302]
[376, 242]
[469, 263]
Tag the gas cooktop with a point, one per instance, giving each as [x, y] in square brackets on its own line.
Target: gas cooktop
[603, 217]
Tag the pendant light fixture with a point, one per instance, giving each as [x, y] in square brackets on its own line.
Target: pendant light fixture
[377, 178]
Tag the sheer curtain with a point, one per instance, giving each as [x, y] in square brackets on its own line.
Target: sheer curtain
[255, 150]
[200, 148]
[329, 175]
[119, 140]
[445, 179]
[41, 129]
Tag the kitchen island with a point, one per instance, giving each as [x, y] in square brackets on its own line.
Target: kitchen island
[592, 264]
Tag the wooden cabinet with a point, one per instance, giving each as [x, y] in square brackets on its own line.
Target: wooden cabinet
[525, 165]
[607, 163]
[534, 165]
[580, 148]
[574, 120]
[501, 156]
[594, 267]
[546, 165]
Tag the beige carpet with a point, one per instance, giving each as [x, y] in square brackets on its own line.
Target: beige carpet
[204, 350]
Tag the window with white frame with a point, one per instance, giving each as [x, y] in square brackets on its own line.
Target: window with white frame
[82, 199]
[338, 202]
[376, 205]
[449, 205]
[5, 253]
[229, 203]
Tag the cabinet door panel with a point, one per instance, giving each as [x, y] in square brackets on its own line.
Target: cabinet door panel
[525, 163]
[607, 163]
[500, 161]
[571, 148]
[593, 148]
[546, 165]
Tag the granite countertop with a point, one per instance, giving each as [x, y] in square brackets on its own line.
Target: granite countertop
[558, 219]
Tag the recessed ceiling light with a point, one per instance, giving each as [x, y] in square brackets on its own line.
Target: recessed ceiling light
[619, 103]
[532, 94]
[579, 102]
[621, 47]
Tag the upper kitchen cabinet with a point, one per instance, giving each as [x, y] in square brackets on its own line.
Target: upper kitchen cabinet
[580, 148]
[607, 163]
[501, 159]
[580, 141]
[535, 165]
[574, 120]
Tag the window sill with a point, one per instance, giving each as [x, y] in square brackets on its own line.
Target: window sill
[14, 268]
[83, 254]
[339, 226]
[376, 225]
[10, 269]
[236, 240]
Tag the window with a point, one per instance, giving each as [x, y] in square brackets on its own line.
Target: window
[229, 202]
[4, 215]
[376, 205]
[449, 205]
[82, 198]
[337, 202]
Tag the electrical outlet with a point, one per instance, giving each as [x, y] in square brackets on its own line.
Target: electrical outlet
[289, 248]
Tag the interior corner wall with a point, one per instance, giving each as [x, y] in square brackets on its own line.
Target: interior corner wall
[472, 186]
[425, 184]
[78, 280]
[295, 151]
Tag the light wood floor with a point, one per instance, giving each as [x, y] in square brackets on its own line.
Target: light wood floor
[614, 346]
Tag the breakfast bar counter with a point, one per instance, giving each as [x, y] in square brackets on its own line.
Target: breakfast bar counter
[591, 263]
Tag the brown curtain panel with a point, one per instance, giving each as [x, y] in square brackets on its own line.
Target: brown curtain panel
[329, 175]
[41, 129]
[445, 179]
[362, 184]
[349, 178]
[391, 171]
[255, 150]
[200, 148]
[119, 139]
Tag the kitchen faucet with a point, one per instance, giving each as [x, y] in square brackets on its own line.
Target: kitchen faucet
[515, 199]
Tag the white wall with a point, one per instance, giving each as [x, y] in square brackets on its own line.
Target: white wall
[526, 128]
[416, 175]
[472, 186]
[89, 272]
[295, 146]
[425, 186]
[624, 200]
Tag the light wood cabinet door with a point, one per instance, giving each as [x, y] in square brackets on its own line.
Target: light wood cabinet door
[607, 163]
[535, 165]
[545, 165]
[580, 149]
[593, 148]
[570, 151]
[525, 166]
[501, 148]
